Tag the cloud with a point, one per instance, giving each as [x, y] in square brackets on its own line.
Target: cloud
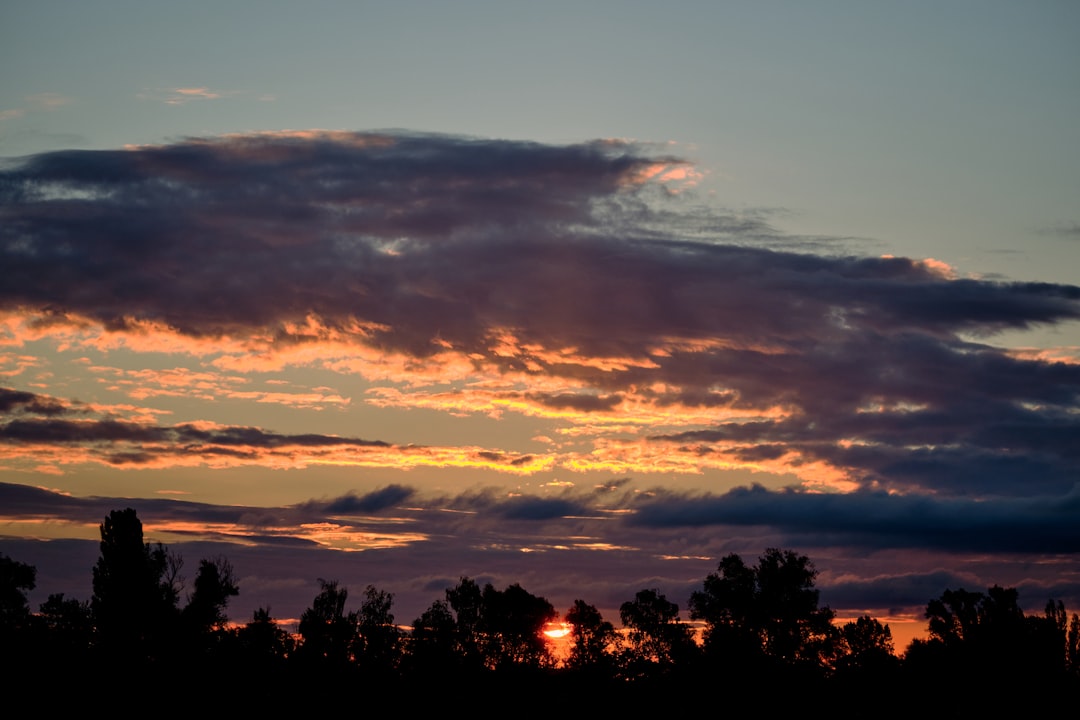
[47, 433]
[42, 102]
[371, 502]
[48, 101]
[208, 385]
[875, 520]
[860, 522]
[1070, 231]
[184, 95]
[567, 546]
[476, 276]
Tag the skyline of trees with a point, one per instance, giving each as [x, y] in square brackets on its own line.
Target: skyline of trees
[759, 620]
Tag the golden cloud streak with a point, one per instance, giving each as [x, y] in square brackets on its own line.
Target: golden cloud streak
[640, 456]
[629, 414]
[331, 535]
[283, 455]
[182, 382]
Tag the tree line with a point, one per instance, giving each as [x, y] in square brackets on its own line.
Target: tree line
[762, 623]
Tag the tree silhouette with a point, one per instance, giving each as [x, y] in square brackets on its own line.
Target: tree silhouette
[16, 638]
[769, 611]
[986, 638]
[594, 639]
[63, 636]
[203, 619]
[214, 585]
[657, 639]
[763, 621]
[433, 645]
[264, 639]
[378, 643]
[466, 600]
[134, 601]
[16, 579]
[263, 645]
[512, 623]
[865, 649]
[329, 634]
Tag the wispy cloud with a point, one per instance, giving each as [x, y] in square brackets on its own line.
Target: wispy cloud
[48, 101]
[185, 95]
[1065, 230]
[44, 434]
[42, 102]
[212, 386]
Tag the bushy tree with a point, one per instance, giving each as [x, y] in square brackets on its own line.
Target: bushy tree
[329, 633]
[16, 579]
[987, 637]
[594, 639]
[657, 640]
[214, 585]
[466, 600]
[262, 642]
[865, 648]
[769, 611]
[433, 644]
[378, 640]
[512, 623]
[16, 638]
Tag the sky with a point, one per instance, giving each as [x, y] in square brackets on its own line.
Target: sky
[580, 296]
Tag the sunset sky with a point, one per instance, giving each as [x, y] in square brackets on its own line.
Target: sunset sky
[582, 296]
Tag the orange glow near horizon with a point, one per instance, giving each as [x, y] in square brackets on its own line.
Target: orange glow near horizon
[556, 630]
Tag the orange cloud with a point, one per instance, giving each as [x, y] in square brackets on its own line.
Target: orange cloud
[182, 382]
[641, 456]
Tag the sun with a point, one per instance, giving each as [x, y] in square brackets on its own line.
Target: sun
[556, 630]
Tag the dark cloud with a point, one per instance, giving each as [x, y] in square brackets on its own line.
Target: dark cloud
[866, 521]
[557, 261]
[533, 508]
[875, 520]
[898, 592]
[372, 502]
[15, 402]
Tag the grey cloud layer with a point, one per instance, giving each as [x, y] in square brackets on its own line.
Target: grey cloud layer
[434, 238]
[484, 532]
[867, 522]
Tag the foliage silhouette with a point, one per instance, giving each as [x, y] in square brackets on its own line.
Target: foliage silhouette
[377, 647]
[763, 627]
[466, 600]
[433, 646]
[865, 663]
[768, 612]
[594, 639]
[657, 639]
[214, 585]
[262, 644]
[986, 637]
[135, 599]
[329, 633]
[16, 579]
[511, 623]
